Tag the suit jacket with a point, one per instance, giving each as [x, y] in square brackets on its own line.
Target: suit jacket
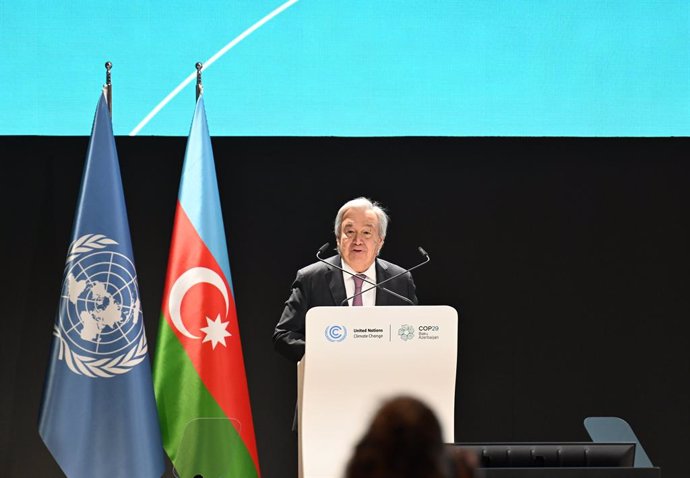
[321, 285]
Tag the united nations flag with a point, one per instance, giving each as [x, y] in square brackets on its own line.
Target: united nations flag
[98, 416]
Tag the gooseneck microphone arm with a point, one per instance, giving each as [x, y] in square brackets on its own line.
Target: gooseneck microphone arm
[426, 259]
[323, 248]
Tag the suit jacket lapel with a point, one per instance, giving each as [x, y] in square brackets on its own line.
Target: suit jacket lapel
[335, 280]
[382, 297]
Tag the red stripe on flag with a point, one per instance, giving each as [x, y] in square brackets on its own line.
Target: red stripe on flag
[221, 369]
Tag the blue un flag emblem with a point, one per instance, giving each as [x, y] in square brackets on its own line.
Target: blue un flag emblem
[100, 325]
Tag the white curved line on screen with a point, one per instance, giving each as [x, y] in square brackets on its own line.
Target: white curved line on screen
[210, 62]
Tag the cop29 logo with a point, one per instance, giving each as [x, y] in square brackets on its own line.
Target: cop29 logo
[406, 332]
[428, 328]
[336, 333]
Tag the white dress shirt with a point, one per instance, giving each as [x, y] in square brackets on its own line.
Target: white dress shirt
[369, 297]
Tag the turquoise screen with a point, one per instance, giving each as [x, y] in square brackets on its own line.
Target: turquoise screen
[350, 68]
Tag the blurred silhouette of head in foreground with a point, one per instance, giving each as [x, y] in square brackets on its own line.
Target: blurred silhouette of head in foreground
[404, 440]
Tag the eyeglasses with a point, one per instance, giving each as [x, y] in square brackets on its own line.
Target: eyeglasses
[366, 234]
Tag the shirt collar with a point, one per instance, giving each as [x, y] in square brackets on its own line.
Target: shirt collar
[370, 272]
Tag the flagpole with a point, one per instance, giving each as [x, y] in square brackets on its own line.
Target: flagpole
[108, 87]
[199, 86]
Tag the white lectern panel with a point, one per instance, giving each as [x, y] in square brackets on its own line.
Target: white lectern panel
[356, 358]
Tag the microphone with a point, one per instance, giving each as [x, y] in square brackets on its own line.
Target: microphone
[323, 249]
[426, 259]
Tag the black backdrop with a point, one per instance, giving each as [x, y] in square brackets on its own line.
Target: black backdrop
[567, 260]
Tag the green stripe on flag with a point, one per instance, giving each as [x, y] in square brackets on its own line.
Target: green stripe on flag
[197, 436]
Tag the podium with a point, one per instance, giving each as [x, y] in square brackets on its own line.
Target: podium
[358, 357]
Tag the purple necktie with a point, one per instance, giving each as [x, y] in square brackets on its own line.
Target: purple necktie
[359, 280]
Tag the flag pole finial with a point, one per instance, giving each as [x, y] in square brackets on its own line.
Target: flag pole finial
[108, 87]
[199, 86]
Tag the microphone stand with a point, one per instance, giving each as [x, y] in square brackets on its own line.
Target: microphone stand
[323, 248]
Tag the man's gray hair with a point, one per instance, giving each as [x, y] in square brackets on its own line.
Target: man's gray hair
[367, 205]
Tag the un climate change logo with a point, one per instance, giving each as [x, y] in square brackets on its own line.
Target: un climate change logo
[100, 326]
[336, 333]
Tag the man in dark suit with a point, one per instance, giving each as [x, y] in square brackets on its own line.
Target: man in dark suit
[360, 229]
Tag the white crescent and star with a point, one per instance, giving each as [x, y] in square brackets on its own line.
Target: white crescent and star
[215, 331]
